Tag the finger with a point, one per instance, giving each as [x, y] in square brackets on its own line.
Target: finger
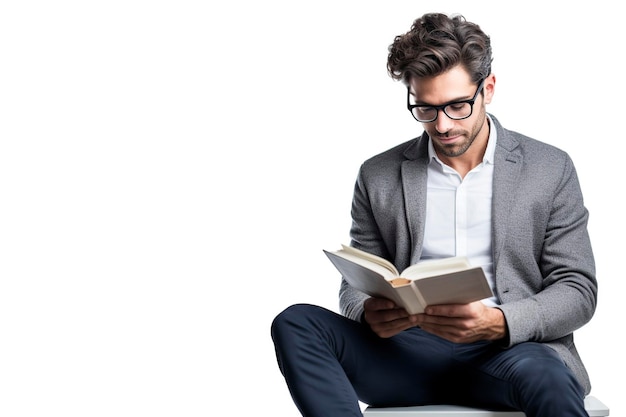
[391, 328]
[455, 310]
[387, 315]
[373, 303]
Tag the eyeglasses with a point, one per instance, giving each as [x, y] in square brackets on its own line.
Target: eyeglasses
[455, 110]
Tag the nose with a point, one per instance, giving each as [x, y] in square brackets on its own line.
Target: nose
[443, 122]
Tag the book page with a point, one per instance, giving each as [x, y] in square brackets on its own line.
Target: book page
[366, 279]
[435, 267]
[370, 257]
[360, 262]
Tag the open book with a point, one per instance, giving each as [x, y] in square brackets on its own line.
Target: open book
[439, 281]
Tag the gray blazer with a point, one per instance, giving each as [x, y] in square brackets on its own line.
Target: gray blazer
[543, 260]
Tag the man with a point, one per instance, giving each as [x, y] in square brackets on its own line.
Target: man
[466, 186]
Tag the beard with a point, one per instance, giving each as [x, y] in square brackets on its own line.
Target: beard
[454, 149]
[460, 147]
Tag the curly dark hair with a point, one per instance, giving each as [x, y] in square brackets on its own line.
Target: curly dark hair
[437, 43]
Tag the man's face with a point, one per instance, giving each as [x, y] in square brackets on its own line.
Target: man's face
[453, 138]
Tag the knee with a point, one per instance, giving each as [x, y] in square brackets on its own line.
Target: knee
[545, 369]
[290, 318]
[291, 313]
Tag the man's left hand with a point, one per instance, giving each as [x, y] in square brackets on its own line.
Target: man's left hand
[464, 323]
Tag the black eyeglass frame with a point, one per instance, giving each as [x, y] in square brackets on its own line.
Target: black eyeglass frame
[471, 102]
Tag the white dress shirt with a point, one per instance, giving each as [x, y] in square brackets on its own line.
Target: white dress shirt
[458, 212]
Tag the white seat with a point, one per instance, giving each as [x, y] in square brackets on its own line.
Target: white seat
[594, 407]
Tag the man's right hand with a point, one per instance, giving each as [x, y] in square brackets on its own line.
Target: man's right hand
[385, 318]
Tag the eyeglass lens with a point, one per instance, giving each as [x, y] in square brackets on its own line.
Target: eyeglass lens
[453, 111]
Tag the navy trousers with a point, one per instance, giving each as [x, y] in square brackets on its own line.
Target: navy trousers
[331, 362]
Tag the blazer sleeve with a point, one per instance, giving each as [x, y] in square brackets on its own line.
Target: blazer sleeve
[366, 236]
[545, 272]
[379, 218]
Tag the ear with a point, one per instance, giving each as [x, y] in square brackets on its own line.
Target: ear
[489, 87]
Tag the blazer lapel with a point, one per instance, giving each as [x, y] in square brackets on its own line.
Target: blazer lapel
[507, 168]
[414, 183]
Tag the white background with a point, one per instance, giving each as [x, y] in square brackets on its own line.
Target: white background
[170, 172]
